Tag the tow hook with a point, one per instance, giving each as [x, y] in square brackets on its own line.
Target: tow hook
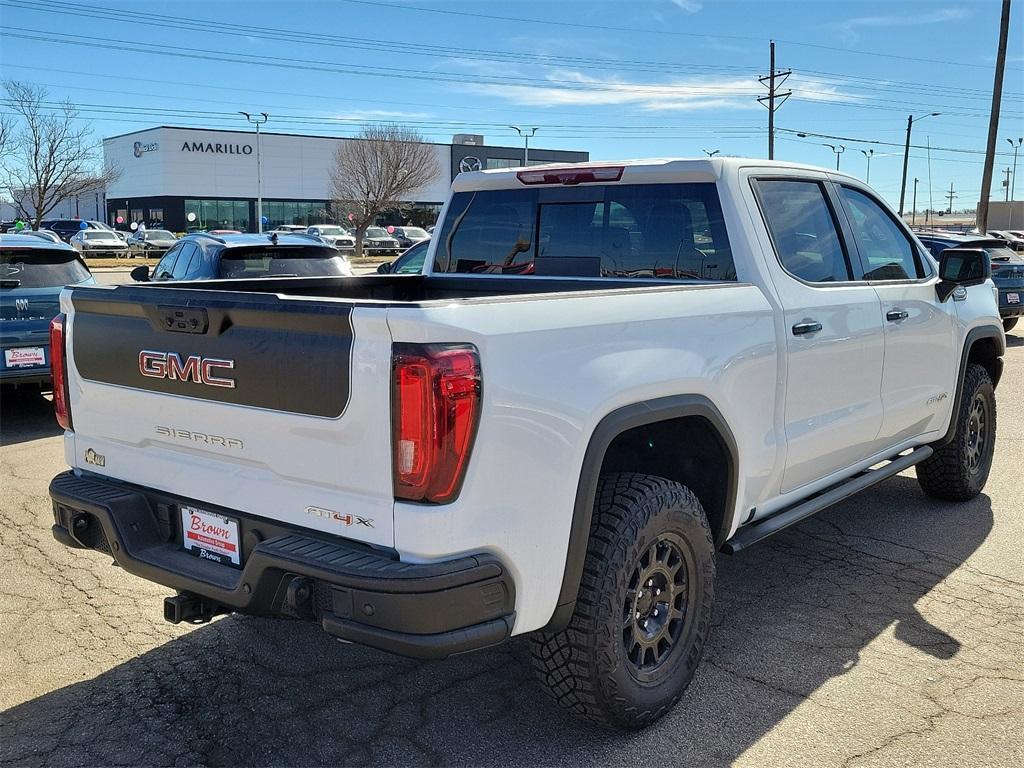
[190, 608]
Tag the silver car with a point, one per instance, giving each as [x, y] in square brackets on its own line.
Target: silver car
[99, 242]
[334, 235]
[150, 242]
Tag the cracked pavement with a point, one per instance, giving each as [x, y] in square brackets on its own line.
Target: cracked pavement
[887, 631]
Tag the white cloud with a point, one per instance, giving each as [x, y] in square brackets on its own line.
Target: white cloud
[568, 87]
[688, 6]
[848, 29]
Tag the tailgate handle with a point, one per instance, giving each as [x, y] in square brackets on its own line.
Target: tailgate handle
[183, 319]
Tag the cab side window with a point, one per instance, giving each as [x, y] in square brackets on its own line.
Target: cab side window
[886, 253]
[803, 229]
[165, 267]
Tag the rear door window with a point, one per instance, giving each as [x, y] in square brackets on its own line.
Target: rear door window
[40, 268]
[803, 229]
[165, 267]
[184, 261]
[640, 230]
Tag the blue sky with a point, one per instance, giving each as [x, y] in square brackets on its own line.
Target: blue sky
[619, 79]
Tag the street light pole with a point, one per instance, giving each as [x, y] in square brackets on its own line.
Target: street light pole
[868, 153]
[526, 140]
[1013, 182]
[257, 121]
[906, 154]
[838, 150]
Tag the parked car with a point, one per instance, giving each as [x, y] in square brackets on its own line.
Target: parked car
[65, 228]
[409, 263]
[1012, 240]
[408, 236]
[202, 256]
[432, 465]
[46, 234]
[377, 241]
[223, 231]
[1007, 268]
[334, 235]
[33, 271]
[150, 243]
[288, 229]
[99, 242]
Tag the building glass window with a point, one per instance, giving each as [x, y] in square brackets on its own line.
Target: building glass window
[502, 162]
[156, 217]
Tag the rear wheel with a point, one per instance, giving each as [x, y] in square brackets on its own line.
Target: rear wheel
[644, 607]
[1009, 323]
[958, 470]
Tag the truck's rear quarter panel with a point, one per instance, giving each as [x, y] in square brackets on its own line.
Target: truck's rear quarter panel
[305, 424]
[552, 368]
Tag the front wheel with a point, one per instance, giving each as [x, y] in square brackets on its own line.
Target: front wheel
[643, 612]
[1009, 323]
[958, 470]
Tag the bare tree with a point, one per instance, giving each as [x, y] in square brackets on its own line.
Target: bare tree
[6, 132]
[49, 154]
[378, 172]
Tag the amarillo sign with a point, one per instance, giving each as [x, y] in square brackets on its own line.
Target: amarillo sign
[216, 149]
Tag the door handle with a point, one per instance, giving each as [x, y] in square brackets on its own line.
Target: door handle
[895, 315]
[806, 327]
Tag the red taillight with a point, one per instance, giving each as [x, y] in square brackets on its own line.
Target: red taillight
[570, 175]
[435, 409]
[59, 372]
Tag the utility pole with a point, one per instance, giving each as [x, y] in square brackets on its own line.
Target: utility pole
[710, 152]
[868, 153]
[993, 120]
[1007, 183]
[913, 212]
[255, 120]
[774, 80]
[906, 154]
[949, 196]
[526, 139]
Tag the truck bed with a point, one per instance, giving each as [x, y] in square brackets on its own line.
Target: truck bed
[402, 290]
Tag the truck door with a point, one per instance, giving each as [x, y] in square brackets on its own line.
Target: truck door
[833, 326]
[918, 375]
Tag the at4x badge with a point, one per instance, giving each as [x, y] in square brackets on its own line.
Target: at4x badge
[339, 517]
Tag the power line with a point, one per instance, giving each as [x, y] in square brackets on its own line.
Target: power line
[650, 31]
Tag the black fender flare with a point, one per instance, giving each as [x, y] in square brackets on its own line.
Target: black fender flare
[610, 427]
[973, 336]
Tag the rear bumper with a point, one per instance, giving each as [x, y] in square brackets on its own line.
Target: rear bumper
[355, 593]
[1007, 309]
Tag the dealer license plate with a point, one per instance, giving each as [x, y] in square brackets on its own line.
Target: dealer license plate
[211, 536]
[24, 357]
[1013, 298]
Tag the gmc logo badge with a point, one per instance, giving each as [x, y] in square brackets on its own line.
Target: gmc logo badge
[194, 368]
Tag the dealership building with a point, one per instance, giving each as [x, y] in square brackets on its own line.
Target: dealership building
[197, 178]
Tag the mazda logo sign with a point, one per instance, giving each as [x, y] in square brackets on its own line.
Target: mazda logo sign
[469, 164]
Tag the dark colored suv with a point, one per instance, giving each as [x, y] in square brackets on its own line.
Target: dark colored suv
[33, 271]
[201, 256]
[1007, 268]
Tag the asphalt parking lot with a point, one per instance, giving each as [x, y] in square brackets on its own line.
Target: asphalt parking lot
[887, 631]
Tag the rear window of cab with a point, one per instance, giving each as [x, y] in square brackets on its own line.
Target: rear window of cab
[673, 231]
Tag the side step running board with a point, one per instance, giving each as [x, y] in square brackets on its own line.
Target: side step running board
[751, 534]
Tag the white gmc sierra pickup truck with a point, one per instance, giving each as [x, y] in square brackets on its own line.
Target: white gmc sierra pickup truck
[608, 374]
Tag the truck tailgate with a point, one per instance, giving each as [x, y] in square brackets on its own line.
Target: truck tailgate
[255, 402]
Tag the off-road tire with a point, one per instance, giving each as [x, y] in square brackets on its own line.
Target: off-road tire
[1009, 324]
[958, 470]
[587, 667]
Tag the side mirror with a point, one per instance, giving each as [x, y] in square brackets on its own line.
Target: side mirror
[140, 274]
[384, 268]
[961, 267]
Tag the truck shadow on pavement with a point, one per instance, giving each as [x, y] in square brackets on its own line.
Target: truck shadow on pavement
[25, 415]
[792, 615]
